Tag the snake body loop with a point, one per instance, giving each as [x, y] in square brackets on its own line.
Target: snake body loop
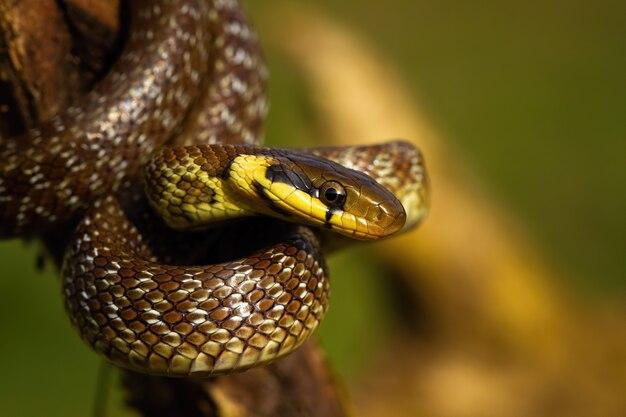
[174, 303]
[191, 320]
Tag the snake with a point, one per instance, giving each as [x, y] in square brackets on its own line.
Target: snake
[196, 250]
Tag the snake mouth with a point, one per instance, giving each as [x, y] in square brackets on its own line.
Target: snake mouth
[367, 230]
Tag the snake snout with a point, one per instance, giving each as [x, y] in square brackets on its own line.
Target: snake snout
[394, 217]
[376, 216]
[386, 218]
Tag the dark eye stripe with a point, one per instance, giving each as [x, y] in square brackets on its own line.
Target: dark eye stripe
[278, 173]
[329, 215]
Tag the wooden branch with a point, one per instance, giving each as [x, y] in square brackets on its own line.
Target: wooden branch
[35, 63]
[297, 385]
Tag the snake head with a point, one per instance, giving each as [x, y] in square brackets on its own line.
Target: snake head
[309, 189]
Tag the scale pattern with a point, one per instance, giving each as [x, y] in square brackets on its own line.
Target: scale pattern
[204, 320]
[233, 104]
[51, 172]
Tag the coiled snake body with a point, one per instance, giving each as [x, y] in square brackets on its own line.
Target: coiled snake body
[191, 75]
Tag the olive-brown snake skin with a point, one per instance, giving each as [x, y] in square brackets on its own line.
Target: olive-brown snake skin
[190, 74]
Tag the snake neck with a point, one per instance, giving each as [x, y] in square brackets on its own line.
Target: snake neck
[197, 193]
[209, 186]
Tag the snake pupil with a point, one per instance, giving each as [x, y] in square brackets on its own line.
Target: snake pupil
[331, 194]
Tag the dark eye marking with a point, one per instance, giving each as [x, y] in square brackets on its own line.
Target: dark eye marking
[282, 174]
[329, 215]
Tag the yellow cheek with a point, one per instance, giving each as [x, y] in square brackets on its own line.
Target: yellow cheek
[345, 222]
[299, 201]
[318, 210]
[350, 225]
[246, 169]
[313, 210]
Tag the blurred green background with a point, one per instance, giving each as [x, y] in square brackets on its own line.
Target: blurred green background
[532, 95]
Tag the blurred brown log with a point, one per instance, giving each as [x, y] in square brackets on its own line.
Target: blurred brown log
[95, 27]
[47, 51]
[36, 64]
[504, 338]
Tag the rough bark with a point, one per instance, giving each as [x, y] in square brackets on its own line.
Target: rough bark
[35, 63]
[297, 385]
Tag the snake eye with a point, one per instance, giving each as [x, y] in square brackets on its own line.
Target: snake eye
[333, 194]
